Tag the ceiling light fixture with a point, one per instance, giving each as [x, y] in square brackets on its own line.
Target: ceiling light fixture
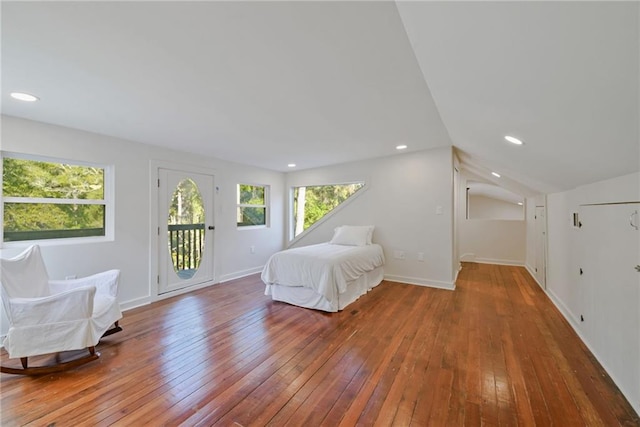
[291, 165]
[496, 174]
[24, 96]
[513, 140]
[401, 147]
[520, 203]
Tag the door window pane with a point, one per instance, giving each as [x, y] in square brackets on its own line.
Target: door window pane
[186, 229]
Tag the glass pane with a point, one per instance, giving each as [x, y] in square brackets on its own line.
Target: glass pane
[251, 195]
[186, 229]
[312, 203]
[251, 216]
[31, 178]
[32, 221]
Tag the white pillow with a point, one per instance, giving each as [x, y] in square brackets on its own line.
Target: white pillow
[370, 234]
[352, 235]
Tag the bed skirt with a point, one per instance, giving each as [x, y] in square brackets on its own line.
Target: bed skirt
[308, 298]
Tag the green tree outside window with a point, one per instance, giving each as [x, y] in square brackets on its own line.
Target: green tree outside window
[45, 200]
[312, 203]
[252, 205]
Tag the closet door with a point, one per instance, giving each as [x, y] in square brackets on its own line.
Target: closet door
[610, 245]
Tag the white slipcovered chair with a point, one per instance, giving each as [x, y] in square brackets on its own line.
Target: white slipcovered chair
[53, 316]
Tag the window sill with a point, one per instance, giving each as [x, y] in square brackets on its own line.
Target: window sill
[57, 242]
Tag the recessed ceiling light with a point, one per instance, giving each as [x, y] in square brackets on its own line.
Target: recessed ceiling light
[520, 203]
[496, 174]
[24, 96]
[513, 140]
[401, 147]
[291, 165]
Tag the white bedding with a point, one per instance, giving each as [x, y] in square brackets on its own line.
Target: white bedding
[325, 268]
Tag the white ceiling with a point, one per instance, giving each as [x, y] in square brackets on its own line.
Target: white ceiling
[269, 83]
[562, 76]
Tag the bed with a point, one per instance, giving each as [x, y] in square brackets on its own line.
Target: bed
[327, 276]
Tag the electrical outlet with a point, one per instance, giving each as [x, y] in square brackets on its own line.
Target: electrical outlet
[420, 256]
[252, 249]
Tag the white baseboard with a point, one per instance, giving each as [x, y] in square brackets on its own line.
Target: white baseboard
[468, 257]
[183, 291]
[421, 282]
[139, 302]
[240, 274]
[515, 263]
[134, 303]
[455, 278]
[574, 322]
[566, 312]
[532, 272]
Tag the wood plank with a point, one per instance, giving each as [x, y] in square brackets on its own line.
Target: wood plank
[495, 351]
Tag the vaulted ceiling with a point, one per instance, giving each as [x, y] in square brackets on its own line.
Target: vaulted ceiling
[319, 83]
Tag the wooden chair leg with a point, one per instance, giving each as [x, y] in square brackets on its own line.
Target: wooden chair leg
[116, 328]
[46, 370]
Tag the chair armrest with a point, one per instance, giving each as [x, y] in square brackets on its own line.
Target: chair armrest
[62, 307]
[106, 283]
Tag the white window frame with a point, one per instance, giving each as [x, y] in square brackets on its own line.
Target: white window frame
[293, 239]
[267, 215]
[107, 202]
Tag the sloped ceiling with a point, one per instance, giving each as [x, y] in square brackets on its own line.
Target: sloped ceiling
[561, 76]
[493, 192]
[319, 83]
[261, 83]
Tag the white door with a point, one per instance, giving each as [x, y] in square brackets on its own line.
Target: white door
[185, 232]
[610, 249]
[541, 246]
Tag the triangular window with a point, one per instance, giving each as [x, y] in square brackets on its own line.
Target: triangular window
[312, 203]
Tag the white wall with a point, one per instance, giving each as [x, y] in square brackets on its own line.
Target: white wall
[403, 192]
[562, 267]
[564, 285]
[457, 183]
[130, 251]
[482, 207]
[495, 241]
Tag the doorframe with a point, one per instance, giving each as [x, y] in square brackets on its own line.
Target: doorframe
[544, 244]
[154, 167]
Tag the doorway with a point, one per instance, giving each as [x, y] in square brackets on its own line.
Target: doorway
[185, 229]
[541, 246]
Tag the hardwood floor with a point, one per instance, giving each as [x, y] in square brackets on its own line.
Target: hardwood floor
[493, 352]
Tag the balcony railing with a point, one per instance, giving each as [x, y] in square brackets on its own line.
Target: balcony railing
[186, 243]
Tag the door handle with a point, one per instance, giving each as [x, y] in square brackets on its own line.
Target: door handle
[211, 227]
[631, 223]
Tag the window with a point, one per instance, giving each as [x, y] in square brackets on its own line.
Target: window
[50, 199]
[252, 205]
[312, 203]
